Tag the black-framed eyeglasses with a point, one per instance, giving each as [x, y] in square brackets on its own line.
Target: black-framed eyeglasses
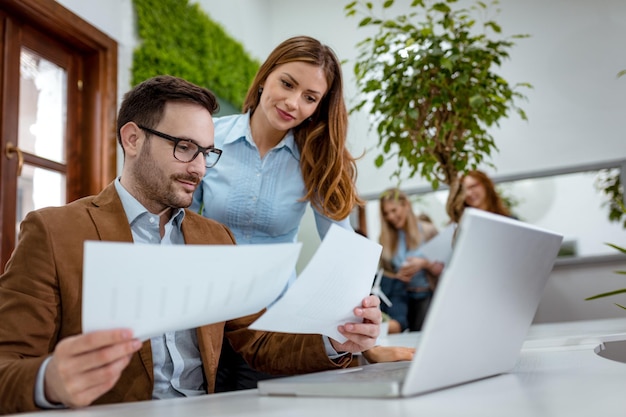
[186, 150]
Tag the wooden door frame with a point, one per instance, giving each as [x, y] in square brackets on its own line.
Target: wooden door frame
[95, 155]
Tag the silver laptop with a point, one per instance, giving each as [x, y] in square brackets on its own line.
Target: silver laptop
[477, 322]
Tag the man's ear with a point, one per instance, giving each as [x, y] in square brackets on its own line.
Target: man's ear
[132, 138]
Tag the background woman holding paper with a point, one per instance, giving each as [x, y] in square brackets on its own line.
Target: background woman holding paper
[408, 280]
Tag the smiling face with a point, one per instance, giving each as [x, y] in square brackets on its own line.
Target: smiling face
[151, 173]
[291, 94]
[395, 213]
[475, 193]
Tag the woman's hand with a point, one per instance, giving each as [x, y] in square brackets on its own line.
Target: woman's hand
[410, 267]
[435, 268]
[388, 354]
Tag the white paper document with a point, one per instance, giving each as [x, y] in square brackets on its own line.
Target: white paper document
[439, 248]
[338, 277]
[153, 289]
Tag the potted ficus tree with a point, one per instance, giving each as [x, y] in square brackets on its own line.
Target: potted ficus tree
[428, 81]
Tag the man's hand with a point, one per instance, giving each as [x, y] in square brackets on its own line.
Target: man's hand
[86, 366]
[361, 336]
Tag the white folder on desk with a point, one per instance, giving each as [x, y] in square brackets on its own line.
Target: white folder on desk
[479, 316]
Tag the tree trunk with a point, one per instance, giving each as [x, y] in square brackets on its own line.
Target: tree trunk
[456, 200]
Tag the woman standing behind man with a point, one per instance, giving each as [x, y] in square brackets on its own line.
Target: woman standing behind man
[287, 150]
[408, 279]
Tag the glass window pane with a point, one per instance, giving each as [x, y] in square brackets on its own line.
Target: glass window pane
[42, 107]
[37, 188]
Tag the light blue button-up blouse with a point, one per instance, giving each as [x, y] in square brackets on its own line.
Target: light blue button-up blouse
[256, 198]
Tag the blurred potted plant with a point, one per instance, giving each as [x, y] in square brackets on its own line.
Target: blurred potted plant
[609, 183]
[620, 204]
[620, 291]
[428, 82]
[612, 187]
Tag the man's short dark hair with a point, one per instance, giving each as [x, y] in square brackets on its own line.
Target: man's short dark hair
[145, 103]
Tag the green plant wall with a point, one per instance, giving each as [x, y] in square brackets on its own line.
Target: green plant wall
[178, 38]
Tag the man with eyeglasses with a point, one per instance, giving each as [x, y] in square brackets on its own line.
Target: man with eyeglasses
[165, 130]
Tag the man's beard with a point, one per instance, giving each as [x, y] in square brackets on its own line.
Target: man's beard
[155, 186]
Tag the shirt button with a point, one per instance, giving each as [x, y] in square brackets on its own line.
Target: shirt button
[152, 220]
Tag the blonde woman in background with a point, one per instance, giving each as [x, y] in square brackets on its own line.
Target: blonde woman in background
[408, 279]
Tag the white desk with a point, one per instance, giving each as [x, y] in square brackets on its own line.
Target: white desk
[547, 335]
[568, 380]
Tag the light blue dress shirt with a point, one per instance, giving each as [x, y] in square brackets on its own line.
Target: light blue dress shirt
[419, 279]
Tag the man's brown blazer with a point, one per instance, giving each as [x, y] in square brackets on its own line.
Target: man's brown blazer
[40, 304]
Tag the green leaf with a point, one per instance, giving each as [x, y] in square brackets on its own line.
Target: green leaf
[476, 101]
[365, 21]
[441, 7]
[387, 4]
[607, 294]
[623, 250]
[621, 73]
[494, 26]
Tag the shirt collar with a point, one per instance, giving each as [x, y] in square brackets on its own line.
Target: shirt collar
[134, 208]
[241, 130]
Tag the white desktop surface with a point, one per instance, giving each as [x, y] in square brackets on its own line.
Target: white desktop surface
[546, 335]
[566, 380]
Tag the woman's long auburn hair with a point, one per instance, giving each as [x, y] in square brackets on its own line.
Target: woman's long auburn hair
[328, 169]
[388, 233]
[494, 202]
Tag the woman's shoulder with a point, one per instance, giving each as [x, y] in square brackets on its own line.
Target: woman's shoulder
[228, 119]
[229, 128]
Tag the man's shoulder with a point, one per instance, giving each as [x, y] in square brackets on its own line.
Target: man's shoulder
[107, 196]
[70, 209]
[201, 230]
